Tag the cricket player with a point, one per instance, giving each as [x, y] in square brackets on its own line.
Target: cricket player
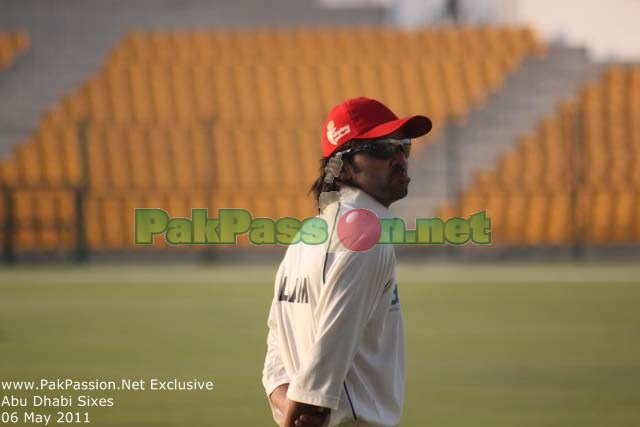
[335, 348]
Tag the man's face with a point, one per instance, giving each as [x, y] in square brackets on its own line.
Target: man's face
[386, 180]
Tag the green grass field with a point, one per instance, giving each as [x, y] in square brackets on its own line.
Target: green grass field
[488, 345]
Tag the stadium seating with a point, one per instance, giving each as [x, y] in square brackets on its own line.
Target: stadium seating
[234, 115]
[12, 45]
[575, 179]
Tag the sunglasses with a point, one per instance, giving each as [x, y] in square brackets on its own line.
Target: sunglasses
[382, 148]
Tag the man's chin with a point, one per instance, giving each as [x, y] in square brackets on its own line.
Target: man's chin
[401, 193]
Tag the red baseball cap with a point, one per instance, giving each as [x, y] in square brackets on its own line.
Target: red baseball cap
[366, 118]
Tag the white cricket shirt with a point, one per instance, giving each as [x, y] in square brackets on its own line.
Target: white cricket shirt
[335, 327]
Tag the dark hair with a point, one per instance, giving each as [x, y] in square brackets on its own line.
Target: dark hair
[319, 186]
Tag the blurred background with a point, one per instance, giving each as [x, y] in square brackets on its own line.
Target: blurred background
[106, 106]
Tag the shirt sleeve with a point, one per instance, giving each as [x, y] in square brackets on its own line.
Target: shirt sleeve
[353, 287]
[273, 373]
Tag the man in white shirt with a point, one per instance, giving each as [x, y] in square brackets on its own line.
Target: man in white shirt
[335, 351]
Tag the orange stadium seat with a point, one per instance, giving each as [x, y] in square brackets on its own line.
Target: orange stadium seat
[575, 179]
[235, 112]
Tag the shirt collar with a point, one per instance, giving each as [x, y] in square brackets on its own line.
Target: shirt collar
[354, 197]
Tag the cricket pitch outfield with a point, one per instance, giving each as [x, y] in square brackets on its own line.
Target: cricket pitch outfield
[488, 345]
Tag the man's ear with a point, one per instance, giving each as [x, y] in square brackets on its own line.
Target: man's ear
[347, 172]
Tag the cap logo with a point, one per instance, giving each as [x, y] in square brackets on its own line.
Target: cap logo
[334, 135]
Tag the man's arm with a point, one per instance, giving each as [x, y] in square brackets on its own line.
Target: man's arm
[278, 397]
[353, 288]
[274, 375]
[297, 414]
[304, 415]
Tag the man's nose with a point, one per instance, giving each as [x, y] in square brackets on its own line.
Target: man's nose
[399, 158]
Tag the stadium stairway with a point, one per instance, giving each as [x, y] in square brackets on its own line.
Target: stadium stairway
[527, 96]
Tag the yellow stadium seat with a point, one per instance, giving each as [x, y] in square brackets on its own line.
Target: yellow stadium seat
[97, 159]
[8, 172]
[266, 97]
[181, 156]
[29, 165]
[288, 152]
[183, 92]
[264, 149]
[70, 152]
[622, 218]
[119, 95]
[245, 89]
[247, 165]
[139, 154]
[636, 213]
[44, 208]
[202, 155]
[97, 95]
[220, 110]
[93, 223]
[48, 144]
[118, 161]
[495, 206]
[161, 94]
[141, 101]
[534, 232]
[156, 201]
[287, 91]
[285, 206]
[26, 240]
[532, 171]
[24, 208]
[263, 206]
[313, 108]
[160, 162]
[472, 203]
[473, 81]
[559, 219]
[212, 92]
[130, 203]
[599, 226]
[114, 226]
[514, 218]
[75, 106]
[451, 41]
[329, 94]
[456, 97]
[511, 166]
[224, 149]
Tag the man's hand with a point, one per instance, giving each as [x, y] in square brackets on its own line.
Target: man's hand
[304, 415]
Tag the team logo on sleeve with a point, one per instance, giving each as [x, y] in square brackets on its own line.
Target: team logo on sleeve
[299, 292]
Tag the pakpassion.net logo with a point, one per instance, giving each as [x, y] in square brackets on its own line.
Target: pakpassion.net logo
[357, 229]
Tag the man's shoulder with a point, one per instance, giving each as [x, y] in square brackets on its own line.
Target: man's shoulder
[379, 253]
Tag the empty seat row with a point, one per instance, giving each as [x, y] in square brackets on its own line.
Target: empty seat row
[176, 93]
[188, 157]
[214, 118]
[47, 220]
[333, 45]
[579, 170]
[555, 218]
